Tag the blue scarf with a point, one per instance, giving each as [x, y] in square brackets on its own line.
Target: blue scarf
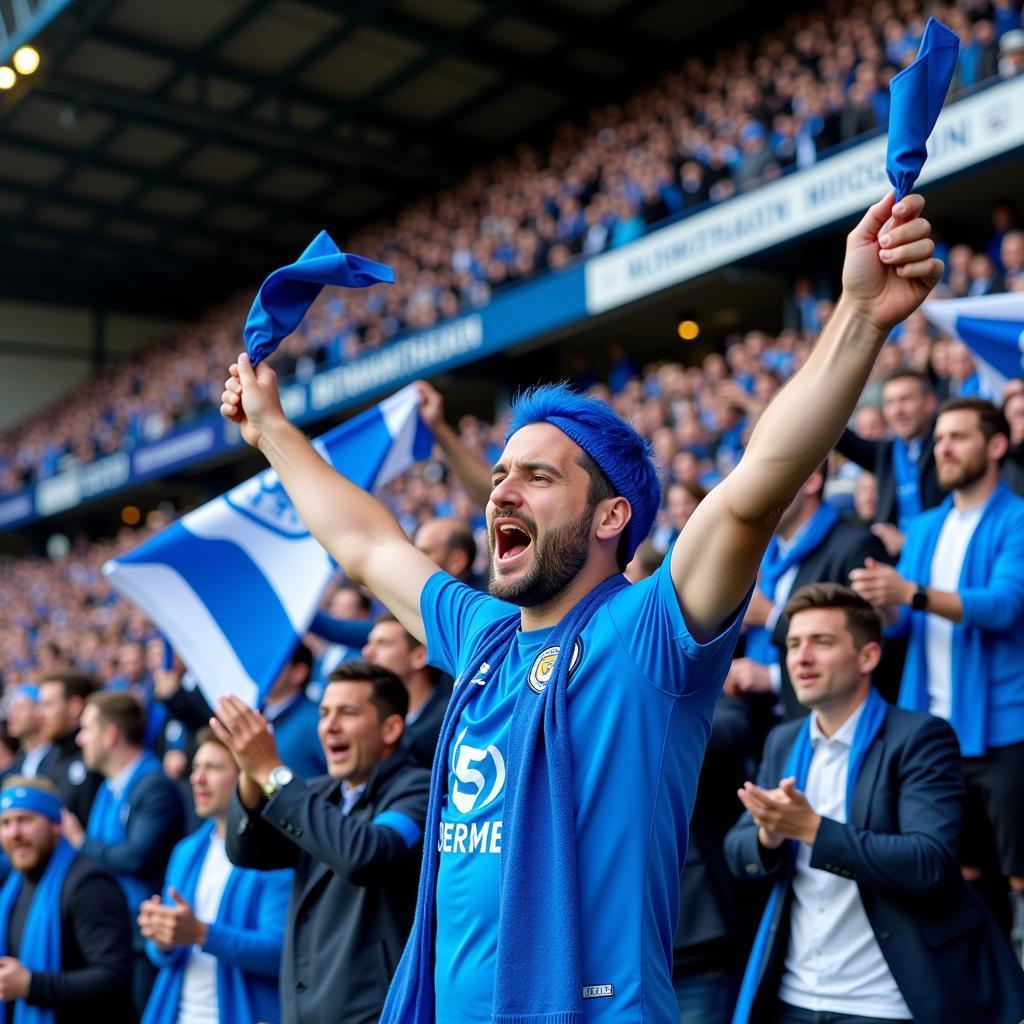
[775, 565]
[40, 941]
[108, 820]
[908, 487]
[236, 995]
[971, 646]
[797, 765]
[538, 976]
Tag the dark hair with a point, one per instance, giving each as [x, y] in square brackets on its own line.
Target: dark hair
[121, 710]
[75, 682]
[460, 538]
[302, 655]
[991, 420]
[207, 735]
[694, 490]
[906, 373]
[862, 621]
[387, 695]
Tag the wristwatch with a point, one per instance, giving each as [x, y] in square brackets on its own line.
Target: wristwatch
[279, 778]
[919, 602]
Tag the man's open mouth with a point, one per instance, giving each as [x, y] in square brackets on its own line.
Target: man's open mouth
[511, 539]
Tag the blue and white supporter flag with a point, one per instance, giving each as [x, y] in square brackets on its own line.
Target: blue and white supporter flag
[235, 584]
[992, 327]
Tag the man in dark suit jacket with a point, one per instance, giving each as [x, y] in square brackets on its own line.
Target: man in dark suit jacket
[844, 547]
[856, 814]
[92, 980]
[904, 466]
[137, 817]
[353, 837]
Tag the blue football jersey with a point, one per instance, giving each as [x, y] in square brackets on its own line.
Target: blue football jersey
[641, 696]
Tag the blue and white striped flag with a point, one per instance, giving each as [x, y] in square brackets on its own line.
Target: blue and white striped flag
[234, 584]
[992, 327]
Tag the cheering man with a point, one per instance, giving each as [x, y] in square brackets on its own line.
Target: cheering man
[579, 920]
[65, 939]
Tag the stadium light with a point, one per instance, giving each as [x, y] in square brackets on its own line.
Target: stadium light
[7, 77]
[688, 330]
[26, 60]
[130, 515]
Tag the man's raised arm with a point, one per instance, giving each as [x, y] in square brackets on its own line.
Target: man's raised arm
[356, 529]
[888, 272]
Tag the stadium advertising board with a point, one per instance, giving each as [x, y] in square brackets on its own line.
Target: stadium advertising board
[968, 132]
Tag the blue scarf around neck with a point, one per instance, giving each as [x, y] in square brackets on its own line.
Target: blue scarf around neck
[775, 564]
[538, 976]
[235, 1000]
[108, 822]
[40, 948]
[798, 764]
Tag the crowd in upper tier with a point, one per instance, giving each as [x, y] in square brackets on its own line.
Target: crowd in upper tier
[703, 133]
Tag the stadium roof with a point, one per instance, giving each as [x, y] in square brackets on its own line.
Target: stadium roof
[167, 153]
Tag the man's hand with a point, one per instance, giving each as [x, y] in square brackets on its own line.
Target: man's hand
[15, 979]
[251, 399]
[431, 405]
[72, 828]
[891, 536]
[881, 585]
[171, 924]
[167, 682]
[758, 610]
[780, 812]
[889, 268]
[747, 676]
[246, 733]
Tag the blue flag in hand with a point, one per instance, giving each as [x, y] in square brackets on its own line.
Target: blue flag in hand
[288, 292]
[916, 97]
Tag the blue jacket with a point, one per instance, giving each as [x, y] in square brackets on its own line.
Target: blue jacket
[945, 952]
[988, 646]
[246, 938]
[297, 739]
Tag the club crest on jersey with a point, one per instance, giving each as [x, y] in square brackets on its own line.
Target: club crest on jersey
[543, 667]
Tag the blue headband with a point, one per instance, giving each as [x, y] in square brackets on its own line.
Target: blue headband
[28, 798]
[27, 690]
[623, 455]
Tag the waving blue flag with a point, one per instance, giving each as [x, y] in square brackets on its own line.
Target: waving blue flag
[916, 97]
[289, 291]
[992, 327]
[234, 585]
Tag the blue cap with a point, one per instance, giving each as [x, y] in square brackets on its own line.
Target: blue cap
[28, 798]
[623, 455]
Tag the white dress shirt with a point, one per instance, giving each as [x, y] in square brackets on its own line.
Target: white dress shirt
[947, 564]
[833, 962]
[198, 1003]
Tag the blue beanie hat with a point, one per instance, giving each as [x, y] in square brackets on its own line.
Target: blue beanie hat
[623, 455]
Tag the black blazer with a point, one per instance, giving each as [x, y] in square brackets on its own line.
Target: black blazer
[844, 549]
[876, 457]
[94, 982]
[354, 893]
[420, 737]
[945, 951]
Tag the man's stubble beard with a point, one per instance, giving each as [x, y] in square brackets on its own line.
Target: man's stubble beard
[557, 560]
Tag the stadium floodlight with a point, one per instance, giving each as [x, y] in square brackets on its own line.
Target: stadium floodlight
[7, 77]
[26, 60]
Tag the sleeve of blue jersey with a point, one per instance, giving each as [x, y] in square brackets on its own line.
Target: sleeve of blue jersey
[651, 626]
[452, 614]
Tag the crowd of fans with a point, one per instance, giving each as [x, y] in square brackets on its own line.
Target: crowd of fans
[705, 132]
